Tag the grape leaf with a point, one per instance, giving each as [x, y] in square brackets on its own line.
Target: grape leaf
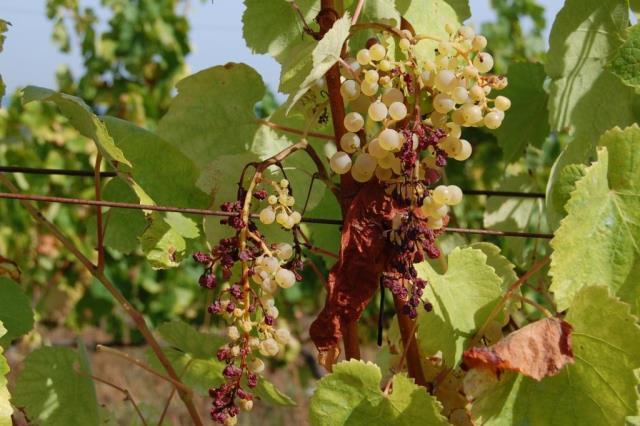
[324, 55]
[351, 395]
[600, 388]
[212, 114]
[599, 239]
[5, 405]
[15, 311]
[564, 186]
[164, 246]
[584, 37]
[626, 61]
[269, 393]
[4, 27]
[429, 17]
[372, 11]
[53, 391]
[184, 337]
[81, 117]
[462, 299]
[125, 226]
[503, 267]
[526, 122]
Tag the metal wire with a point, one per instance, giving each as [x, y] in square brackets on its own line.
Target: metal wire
[89, 173]
[206, 212]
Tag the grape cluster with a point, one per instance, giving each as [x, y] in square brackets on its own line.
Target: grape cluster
[247, 305]
[404, 122]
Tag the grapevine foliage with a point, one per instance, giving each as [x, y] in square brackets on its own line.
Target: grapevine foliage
[381, 101]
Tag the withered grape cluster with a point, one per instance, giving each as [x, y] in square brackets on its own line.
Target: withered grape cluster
[404, 122]
[254, 271]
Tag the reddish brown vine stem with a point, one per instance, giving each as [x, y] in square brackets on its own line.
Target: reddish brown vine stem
[184, 392]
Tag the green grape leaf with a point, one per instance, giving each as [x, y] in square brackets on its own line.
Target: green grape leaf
[81, 118]
[462, 299]
[503, 267]
[213, 113]
[55, 389]
[324, 55]
[15, 311]
[600, 388]
[184, 337]
[373, 11]
[599, 239]
[462, 8]
[429, 17]
[584, 37]
[4, 27]
[5, 405]
[125, 226]
[163, 245]
[273, 27]
[626, 61]
[269, 393]
[165, 174]
[564, 186]
[526, 122]
[197, 373]
[351, 395]
[297, 64]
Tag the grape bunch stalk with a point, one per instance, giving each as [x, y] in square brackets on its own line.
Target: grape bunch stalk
[404, 122]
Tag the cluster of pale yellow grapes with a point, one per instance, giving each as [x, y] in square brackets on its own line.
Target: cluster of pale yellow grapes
[453, 92]
[280, 207]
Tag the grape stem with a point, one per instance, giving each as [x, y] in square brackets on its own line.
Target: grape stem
[294, 131]
[533, 303]
[184, 392]
[357, 12]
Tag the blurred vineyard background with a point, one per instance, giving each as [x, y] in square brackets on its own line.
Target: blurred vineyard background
[130, 64]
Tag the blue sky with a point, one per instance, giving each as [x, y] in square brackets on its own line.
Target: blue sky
[30, 57]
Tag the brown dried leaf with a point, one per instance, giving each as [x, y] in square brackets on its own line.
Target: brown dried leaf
[537, 350]
[353, 280]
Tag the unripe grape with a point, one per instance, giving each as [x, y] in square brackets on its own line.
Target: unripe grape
[455, 195]
[502, 103]
[377, 52]
[429, 206]
[235, 351]
[272, 311]
[269, 286]
[438, 119]
[397, 111]
[377, 111]
[295, 217]
[385, 65]
[451, 145]
[290, 201]
[233, 333]
[282, 218]
[363, 168]
[426, 78]
[454, 130]
[269, 347]
[329, 149]
[363, 57]
[433, 223]
[492, 120]
[460, 95]
[404, 44]
[457, 117]
[267, 215]
[282, 335]
[479, 43]
[396, 165]
[256, 366]
[467, 32]
[483, 61]
[369, 89]
[371, 76]
[284, 183]
[443, 103]
[443, 61]
[465, 151]
[350, 90]
[270, 264]
[285, 251]
[272, 199]
[440, 212]
[472, 113]
[246, 404]
[476, 93]
[392, 95]
[389, 139]
[353, 122]
[487, 90]
[247, 326]
[383, 174]
[445, 47]
[445, 80]
[386, 161]
[350, 142]
[440, 194]
[231, 421]
[340, 163]
[285, 278]
[385, 81]
[375, 149]
[254, 342]
[470, 72]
